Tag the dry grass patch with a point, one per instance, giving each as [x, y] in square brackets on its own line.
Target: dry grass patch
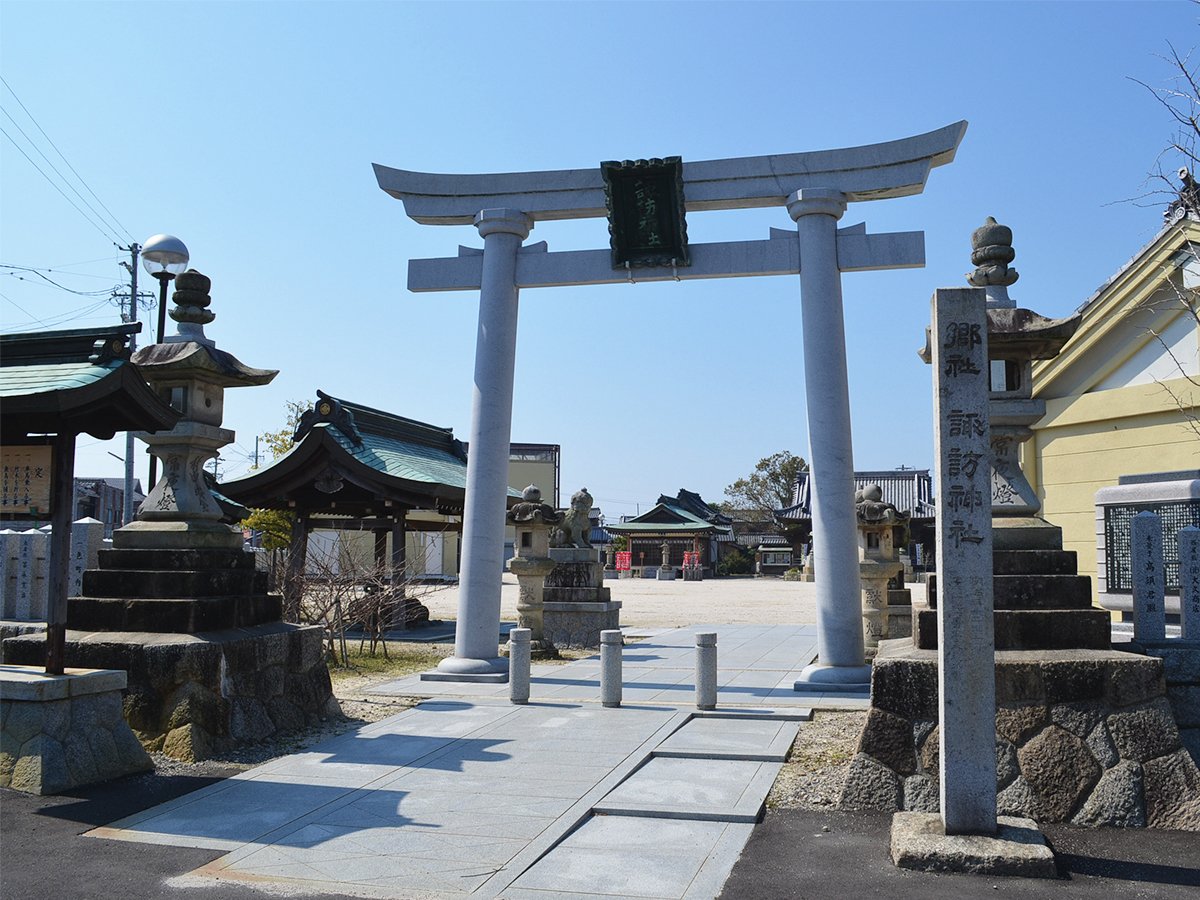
[813, 776]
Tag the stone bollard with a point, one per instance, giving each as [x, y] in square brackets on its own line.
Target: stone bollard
[1146, 558]
[1189, 583]
[706, 670]
[610, 667]
[518, 664]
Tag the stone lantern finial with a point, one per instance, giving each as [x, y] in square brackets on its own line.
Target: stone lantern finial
[991, 252]
[191, 307]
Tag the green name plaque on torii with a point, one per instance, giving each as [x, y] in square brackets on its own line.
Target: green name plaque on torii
[645, 212]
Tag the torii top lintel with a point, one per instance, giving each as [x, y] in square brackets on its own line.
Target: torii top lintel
[871, 172]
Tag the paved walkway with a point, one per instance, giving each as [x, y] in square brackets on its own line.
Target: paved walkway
[467, 795]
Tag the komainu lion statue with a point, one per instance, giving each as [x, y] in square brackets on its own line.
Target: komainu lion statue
[576, 525]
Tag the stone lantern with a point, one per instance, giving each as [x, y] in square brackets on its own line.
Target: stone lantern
[1016, 337]
[886, 614]
[533, 520]
[189, 372]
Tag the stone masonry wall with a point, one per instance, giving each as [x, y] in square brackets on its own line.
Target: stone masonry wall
[1089, 739]
[196, 696]
[51, 745]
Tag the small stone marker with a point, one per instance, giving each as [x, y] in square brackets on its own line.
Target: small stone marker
[966, 638]
[518, 664]
[87, 537]
[706, 670]
[1189, 583]
[1146, 552]
[610, 667]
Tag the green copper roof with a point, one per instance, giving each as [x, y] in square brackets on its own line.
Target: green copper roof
[403, 459]
[667, 518]
[21, 380]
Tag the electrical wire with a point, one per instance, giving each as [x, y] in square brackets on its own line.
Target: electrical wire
[48, 280]
[54, 169]
[60, 269]
[64, 159]
[55, 186]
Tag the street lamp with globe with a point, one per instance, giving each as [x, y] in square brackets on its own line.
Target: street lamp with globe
[164, 256]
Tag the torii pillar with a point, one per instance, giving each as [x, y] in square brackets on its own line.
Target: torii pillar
[815, 188]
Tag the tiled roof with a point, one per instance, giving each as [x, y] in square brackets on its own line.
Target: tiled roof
[909, 490]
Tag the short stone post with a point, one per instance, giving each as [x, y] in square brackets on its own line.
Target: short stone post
[610, 667]
[1189, 583]
[8, 573]
[518, 665]
[87, 537]
[1146, 552]
[706, 670]
[966, 636]
[31, 575]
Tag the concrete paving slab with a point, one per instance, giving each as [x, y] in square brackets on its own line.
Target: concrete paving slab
[726, 790]
[626, 856]
[744, 737]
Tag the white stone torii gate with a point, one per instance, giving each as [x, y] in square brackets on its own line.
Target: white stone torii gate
[815, 188]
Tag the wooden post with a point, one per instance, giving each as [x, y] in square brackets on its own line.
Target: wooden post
[293, 586]
[62, 492]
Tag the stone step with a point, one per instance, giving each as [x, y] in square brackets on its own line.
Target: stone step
[151, 584]
[1032, 629]
[173, 616]
[175, 559]
[1035, 562]
[1031, 591]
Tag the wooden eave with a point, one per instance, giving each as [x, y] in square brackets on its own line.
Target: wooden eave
[118, 401]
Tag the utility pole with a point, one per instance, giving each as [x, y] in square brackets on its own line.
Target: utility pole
[131, 316]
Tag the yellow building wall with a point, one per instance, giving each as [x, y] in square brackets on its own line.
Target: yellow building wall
[1087, 442]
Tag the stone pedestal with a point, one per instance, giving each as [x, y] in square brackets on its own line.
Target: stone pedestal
[577, 604]
[1081, 736]
[63, 731]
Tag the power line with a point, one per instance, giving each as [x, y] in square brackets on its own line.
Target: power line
[55, 186]
[54, 169]
[53, 282]
[60, 269]
[64, 159]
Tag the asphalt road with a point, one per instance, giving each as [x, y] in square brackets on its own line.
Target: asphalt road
[792, 855]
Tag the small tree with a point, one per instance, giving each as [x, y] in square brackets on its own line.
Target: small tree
[768, 487]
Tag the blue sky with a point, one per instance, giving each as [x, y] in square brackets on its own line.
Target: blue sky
[248, 130]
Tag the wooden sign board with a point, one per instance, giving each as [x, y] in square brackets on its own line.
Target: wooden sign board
[646, 213]
[25, 479]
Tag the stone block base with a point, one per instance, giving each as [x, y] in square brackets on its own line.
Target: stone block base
[63, 731]
[577, 626]
[194, 696]
[1082, 736]
[1018, 848]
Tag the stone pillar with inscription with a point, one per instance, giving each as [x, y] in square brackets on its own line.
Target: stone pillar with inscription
[1149, 584]
[966, 643]
[1189, 583]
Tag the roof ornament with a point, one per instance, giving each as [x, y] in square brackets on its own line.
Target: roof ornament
[328, 409]
[1188, 201]
[991, 252]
